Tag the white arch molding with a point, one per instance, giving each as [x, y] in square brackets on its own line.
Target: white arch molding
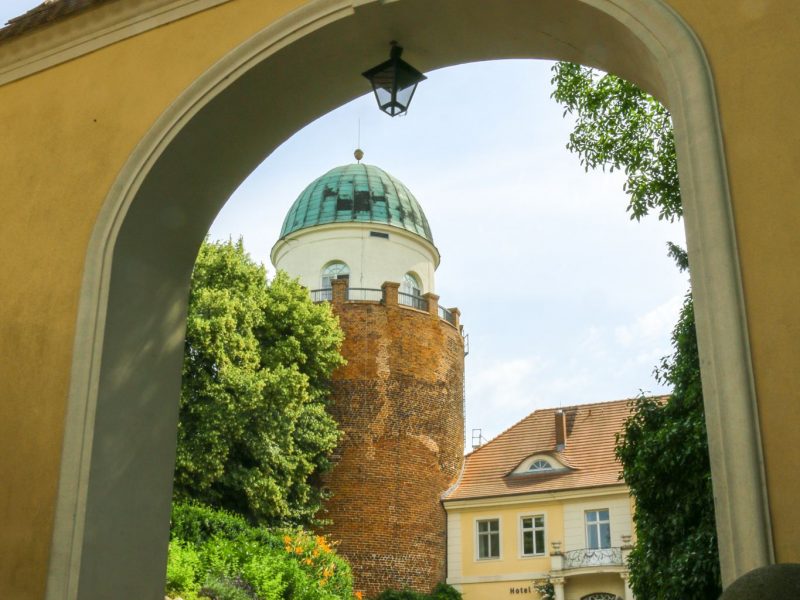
[112, 513]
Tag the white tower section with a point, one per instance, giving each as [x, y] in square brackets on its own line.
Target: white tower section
[360, 223]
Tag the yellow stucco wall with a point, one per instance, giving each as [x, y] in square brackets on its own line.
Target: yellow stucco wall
[511, 574]
[511, 561]
[498, 590]
[757, 105]
[610, 583]
[67, 131]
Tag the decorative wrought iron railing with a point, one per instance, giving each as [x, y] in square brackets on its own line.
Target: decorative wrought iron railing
[447, 315]
[588, 557]
[412, 300]
[323, 295]
[365, 294]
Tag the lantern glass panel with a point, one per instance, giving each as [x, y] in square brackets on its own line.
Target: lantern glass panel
[404, 95]
[383, 96]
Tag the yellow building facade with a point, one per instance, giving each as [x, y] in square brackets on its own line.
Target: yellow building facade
[542, 503]
[126, 125]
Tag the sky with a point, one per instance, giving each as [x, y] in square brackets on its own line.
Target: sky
[565, 299]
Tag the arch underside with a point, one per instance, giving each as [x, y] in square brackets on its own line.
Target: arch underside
[112, 515]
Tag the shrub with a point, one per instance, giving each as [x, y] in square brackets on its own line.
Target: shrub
[405, 594]
[265, 572]
[183, 567]
[237, 561]
[442, 591]
[217, 588]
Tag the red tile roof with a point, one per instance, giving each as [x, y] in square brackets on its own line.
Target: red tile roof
[46, 13]
[589, 452]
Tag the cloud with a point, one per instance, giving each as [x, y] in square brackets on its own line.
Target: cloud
[654, 326]
[506, 384]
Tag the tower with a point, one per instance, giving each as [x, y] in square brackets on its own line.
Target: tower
[358, 238]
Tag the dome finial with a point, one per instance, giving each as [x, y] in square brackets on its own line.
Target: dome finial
[359, 154]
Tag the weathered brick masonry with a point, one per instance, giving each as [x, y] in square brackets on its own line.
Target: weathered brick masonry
[399, 401]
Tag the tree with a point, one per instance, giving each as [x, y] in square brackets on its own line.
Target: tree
[663, 448]
[619, 126]
[253, 428]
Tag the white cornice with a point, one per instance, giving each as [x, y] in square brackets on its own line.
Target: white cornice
[537, 498]
[360, 226]
[527, 576]
[75, 36]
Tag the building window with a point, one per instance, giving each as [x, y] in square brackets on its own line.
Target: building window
[598, 529]
[488, 538]
[532, 535]
[540, 465]
[411, 285]
[335, 270]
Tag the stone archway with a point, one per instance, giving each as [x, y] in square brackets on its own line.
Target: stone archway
[113, 504]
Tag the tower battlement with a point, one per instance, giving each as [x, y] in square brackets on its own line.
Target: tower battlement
[399, 401]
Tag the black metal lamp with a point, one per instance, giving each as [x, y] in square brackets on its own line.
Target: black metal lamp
[394, 83]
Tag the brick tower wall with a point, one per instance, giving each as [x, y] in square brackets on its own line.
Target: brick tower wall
[399, 401]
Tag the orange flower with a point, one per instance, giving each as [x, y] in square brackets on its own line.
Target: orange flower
[359, 596]
[308, 561]
[322, 544]
[287, 539]
[298, 550]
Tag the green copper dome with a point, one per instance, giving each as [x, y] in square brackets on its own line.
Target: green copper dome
[357, 193]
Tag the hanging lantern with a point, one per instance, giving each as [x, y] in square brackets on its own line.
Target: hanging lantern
[394, 83]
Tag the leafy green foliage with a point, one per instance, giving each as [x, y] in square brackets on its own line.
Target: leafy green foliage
[219, 588]
[663, 448]
[545, 589]
[664, 455]
[621, 127]
[253, 427]
[442, 591]
[183, 567]
[217, 555]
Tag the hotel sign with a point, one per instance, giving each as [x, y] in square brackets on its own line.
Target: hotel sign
[520, 590]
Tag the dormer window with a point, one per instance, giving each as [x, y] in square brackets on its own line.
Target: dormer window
[540, 465]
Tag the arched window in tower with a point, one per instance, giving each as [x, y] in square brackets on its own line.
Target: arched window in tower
[411, 285]
[334, 270]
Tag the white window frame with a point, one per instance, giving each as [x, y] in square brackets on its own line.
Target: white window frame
[545, 469]
[476, 553]
[534, 529]
[413, 287]
[324, 275]
[596, 524]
